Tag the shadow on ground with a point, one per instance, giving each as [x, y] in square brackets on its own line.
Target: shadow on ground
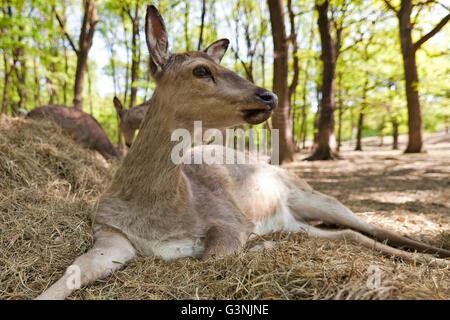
[390, 187]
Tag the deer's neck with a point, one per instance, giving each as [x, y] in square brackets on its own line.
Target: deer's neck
[147, 174]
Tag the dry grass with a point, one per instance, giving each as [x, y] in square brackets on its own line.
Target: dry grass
[48, 185]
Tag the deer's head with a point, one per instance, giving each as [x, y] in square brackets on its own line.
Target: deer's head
[198, 88]
[125, 125]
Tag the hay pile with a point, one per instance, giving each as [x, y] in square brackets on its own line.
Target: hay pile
[48, 185]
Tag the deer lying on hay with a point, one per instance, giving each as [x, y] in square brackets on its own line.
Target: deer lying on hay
[156, 207]
[81, 126]
[130, 120]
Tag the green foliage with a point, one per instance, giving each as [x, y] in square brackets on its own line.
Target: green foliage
[43, 63]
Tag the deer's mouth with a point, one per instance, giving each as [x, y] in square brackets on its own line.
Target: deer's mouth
[255, 116]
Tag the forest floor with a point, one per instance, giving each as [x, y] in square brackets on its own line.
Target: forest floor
[48, 185]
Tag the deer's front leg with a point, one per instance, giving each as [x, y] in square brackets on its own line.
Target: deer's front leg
[223, 240]
[110, 251]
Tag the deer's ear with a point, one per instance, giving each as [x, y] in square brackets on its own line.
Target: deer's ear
[119, 107]
[218, 49]
[156, 36]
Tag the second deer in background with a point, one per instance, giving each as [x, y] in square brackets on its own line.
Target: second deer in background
[81, 126]
[130, 119]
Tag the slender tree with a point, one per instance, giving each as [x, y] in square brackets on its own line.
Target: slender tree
[362, 113]
[409, 49]
[187, 37]
[7, 77]
[281, 118]
[10, 55]
[135, 48]
[366, 56]
[307, 72]
[243, 16]
[295, 61]
[202, 25]
[330, 49]
[333, 19]
[86, 37]
[340, 111]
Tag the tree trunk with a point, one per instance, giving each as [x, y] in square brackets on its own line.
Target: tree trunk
[340, 112]
[37, 100]
[359, 133]
[316, 117]
[187, 37]
[326, 138]
[202, 25]
[5, 92]
[17, 53]
[295, 65]
[394, 134]
[263, 65]
[382, 132]
[362, 113]
[66, 69]
[339, 137]
[91, 111]
[85, 43]
[304, 128]
[135, 56]
[281, 118]
[21, 83]
[411, 79]
[52, 92]
[21, 75]
[79, 79]
[6, 81]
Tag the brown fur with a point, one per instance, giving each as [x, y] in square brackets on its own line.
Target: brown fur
[130, 119]
[81, 126]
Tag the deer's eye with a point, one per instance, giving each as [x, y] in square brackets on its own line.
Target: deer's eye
[201, 72]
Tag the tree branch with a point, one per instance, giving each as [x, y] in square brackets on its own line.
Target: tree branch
[351, 45]
[433, 31]
[248, 73]
[293, 39]
[443, 5]
[126, 8]
[61, 23]
[390, 6]
[427, 2]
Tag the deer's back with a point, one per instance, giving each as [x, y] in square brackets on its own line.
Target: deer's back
[80, 125]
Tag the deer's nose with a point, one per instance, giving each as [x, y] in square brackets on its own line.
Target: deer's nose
[268, 98]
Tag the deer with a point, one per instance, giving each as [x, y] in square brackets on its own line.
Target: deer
[155, 207]
[130, 119]
[82, 127]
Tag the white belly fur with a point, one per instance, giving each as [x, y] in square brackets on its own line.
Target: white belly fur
[282, 220]
[168, 250]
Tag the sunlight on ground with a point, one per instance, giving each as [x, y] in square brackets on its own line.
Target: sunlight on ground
[407, 193]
